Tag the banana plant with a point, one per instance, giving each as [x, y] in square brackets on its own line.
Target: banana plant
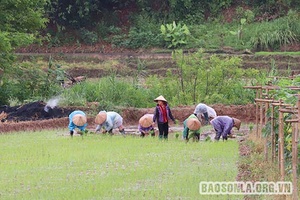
[175, 35]
[238, 33]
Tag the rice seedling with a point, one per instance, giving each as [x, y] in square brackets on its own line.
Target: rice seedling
[50, 165]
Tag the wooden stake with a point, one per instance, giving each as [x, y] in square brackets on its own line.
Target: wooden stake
[261, 114]
[295, 152]
[267, 136]
[281, 146]
[272, 135]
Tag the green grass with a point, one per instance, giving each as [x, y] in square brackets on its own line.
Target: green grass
[286, 53]
[47, 165]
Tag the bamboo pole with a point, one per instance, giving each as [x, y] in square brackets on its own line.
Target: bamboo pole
[267, 136]
[263, 106]
[295, 153]
[272, 134]
[281, 146]
[260, 119]
[256, 111]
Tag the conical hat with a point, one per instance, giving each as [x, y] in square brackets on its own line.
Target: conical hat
[146, 121]
[193, 124]
[79, 120]
[100, 118]
[237, 123]
[160, 98]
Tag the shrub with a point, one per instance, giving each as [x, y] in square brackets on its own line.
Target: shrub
[175, 35]
[88, 37]
[272, 35]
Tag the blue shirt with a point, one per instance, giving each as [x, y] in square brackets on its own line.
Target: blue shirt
[72, 126]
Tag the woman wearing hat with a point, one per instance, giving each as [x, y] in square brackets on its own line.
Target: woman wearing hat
[223, 126]
[146, 125]
[77, 119]
[109, 121]
[162, 115]
[191, 128]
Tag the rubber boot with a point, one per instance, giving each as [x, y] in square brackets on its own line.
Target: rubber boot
[217, 137]
[122, 132]
[71, 133]
[152, 133]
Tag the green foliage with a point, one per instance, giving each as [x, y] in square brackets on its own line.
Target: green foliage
[28, 82]
[175, 35]
[209, 80]
[143, 33]
[288, 96]
[246, 14]
[88, 37]
[216, 6]
[280, 32]
[104, 30]
[73, 13]
[109, 92]
[239, 32]
[19, 23]
[137, 38]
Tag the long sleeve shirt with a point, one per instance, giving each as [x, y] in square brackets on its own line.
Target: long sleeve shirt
[158, 115]
[223, 125]
[113, 120]
[200, 109]
[72, 126]
[186, 130]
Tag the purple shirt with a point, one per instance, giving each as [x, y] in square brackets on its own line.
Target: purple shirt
[158, 116]
[145, 130]
[222, 124]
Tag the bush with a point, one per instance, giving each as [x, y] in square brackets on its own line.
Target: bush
[88, 37]
[175, 35]
[104, 30]
[137, 38]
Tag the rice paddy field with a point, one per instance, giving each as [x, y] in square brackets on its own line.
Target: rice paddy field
[52, 165]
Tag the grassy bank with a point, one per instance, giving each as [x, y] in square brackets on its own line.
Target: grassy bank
[47, 165]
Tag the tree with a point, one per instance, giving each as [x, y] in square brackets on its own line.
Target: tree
[20, 22]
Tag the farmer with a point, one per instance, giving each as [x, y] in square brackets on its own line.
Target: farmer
[146, 125]
[77, 119]
[109, 121]
[191, 128]
[205, 111]
[162, 115]
[223, 126]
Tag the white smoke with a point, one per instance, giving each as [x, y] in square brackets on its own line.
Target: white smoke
[51, 103]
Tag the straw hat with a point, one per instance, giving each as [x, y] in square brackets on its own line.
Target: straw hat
[146, 121]
[237, 123]
[160, 98]
[193, 124]
[100, 118]
[79, 120]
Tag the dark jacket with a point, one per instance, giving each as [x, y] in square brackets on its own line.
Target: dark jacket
[159, 117]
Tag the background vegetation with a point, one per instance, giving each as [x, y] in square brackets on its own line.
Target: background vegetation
[195, 77]
[261, 24]
[173, 24]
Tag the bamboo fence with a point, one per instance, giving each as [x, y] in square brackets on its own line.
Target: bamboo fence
[263, 102]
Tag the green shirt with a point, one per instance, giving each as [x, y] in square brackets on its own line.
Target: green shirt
[187, 131]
